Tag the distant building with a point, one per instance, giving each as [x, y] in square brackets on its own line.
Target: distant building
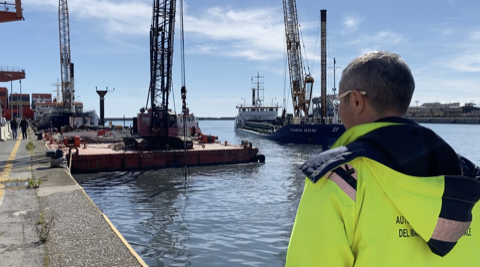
[470, 104]
[440, 105]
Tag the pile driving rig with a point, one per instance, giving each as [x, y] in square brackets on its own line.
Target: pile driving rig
[301, 85]
[157, 124]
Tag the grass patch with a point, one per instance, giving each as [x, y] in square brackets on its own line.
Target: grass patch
[41, 220]
[30, 145]
[32, 183]
[43, 227]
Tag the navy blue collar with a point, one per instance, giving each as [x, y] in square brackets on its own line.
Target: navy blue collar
[397, 120]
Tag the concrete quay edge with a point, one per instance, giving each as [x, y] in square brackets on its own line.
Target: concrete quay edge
[80, 235]
[45, 191]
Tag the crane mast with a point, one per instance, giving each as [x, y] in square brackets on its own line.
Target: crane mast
[323, 60]
[161, 57]
[68, 92]
[301, 87]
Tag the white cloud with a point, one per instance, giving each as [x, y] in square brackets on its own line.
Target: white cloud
[351, 23]
[382, 40]
[461, 52]
[475, 35]
[126, 17]
[466, 62]
[255, 34]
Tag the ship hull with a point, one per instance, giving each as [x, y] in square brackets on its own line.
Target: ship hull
[318, 134]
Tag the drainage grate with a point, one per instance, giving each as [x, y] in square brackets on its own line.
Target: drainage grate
[16, 184]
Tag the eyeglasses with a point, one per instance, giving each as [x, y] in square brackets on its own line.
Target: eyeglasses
[336, 101]
[346, 93]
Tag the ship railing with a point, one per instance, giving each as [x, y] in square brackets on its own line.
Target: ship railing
[306, 120]
[13, 69]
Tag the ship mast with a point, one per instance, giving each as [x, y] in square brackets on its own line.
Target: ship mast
[257, 101]
[68, 92]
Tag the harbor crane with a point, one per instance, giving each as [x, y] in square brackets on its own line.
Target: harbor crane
[301, 85]
[66, 66]
[158, 124]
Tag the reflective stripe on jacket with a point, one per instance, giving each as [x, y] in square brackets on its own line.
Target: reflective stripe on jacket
[358, 209]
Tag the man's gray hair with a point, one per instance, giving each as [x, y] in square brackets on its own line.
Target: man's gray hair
[385, 77]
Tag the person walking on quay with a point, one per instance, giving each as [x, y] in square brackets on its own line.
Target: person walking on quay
[390, 192]
[24, 126]
[14, 126]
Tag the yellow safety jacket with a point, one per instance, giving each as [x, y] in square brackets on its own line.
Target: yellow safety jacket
[365, 205]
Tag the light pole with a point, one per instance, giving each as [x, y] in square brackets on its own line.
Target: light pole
[21, 100]
[11, 98]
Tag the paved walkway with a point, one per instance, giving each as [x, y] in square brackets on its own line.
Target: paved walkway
[80, 235]
[19, 209]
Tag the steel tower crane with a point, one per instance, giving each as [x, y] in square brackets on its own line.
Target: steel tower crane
[68, 92]
[158, 124]
[301, 86]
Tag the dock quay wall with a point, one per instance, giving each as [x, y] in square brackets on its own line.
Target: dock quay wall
[447, 120]
[80, 234]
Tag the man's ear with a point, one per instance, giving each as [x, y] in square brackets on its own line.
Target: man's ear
[358, 102]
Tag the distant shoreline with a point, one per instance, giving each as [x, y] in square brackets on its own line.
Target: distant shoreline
[447, 120]
[216, 119]
[199, 118]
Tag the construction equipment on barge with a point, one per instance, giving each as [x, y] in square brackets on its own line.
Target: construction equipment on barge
[158, 143]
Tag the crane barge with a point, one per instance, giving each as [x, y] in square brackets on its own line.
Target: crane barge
[159, 144]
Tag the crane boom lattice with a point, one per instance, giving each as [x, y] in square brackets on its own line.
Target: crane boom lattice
[65, 60]
[161, 57]
[301, 87]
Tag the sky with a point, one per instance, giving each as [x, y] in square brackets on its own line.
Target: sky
[228, 42]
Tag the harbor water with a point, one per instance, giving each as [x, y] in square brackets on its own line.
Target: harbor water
[233, 215]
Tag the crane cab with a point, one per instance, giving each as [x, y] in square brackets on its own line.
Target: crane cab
[161, 127]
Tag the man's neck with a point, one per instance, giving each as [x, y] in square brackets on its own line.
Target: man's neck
[372, 117]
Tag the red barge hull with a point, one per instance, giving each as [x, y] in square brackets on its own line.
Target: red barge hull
[101, 158]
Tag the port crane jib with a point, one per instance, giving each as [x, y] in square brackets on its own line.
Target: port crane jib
[66, 66]
[301, 85]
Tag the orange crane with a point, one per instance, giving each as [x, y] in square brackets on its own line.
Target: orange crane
[6, 15]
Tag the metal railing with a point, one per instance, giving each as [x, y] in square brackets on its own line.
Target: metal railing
[13, 69]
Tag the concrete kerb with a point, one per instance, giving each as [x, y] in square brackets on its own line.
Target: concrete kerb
[113, 228]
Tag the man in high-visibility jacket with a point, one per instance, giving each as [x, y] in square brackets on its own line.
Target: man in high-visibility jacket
[390, 192]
